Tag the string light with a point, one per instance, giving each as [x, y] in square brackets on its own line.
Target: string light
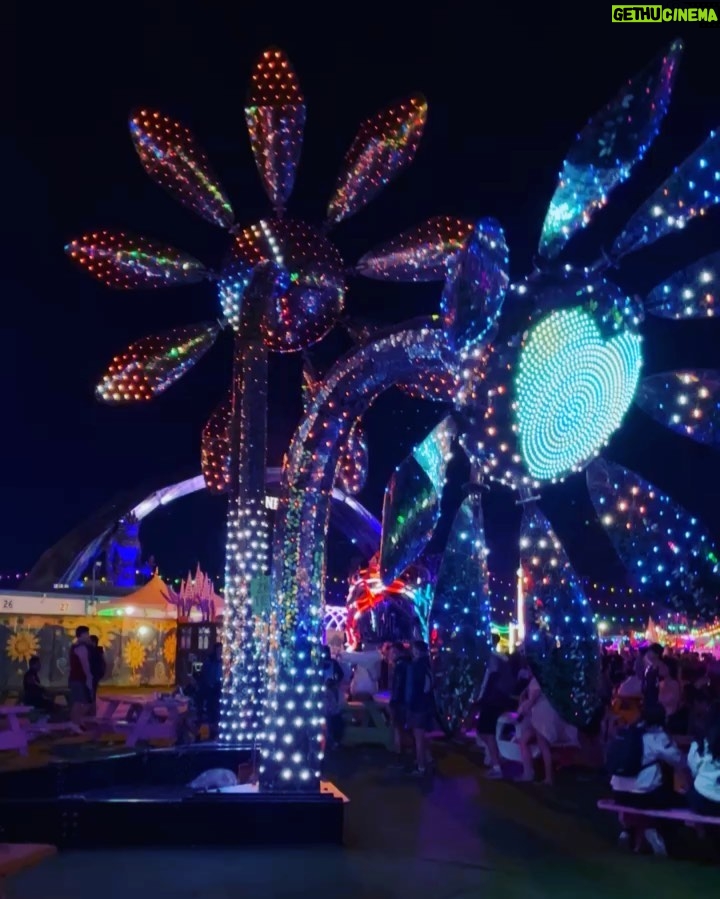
[127, 262]
[275, 117]
[148, 367]
[215, 449]
[418, 254]
[385, 144]
[171, 156]
[687, 402]
[666, 548]
[690, 293]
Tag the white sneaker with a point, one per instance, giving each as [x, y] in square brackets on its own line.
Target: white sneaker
[657, 844]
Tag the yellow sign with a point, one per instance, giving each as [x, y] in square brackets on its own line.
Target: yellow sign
[702, 15]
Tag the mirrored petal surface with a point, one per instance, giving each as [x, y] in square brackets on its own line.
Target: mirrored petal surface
[561, 641]
[215, 448]
[666, 549]
[687, 402]
[275, 117]
[693, 292]
[461, 614]
[148, 367]
[385, 144]
[171, 156]
[412, 501]
[692, 189]
[128, 262]
[607, 149]
[420, 254]
[476, 285]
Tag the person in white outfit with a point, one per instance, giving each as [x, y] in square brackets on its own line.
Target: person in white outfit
[541, 724]
[646, 789]
[704, 764]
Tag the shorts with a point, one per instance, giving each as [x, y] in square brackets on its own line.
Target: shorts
[488, 718]
[79, 693]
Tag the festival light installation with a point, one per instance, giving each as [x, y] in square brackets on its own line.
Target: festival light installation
[283, 288]
[582, 336]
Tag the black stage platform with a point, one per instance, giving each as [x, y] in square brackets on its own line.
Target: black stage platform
[142, 799]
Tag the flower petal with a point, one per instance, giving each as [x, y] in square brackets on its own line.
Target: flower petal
[275, 117]
[419, 254]
[607, 149]
[170, 155]
[476, 285]
[561, 642]
[215, 448]
[151, 365]
[667, 550]
[130, 262]
[461, 614]
[691, 190]
[411, 509]
[693, 292]
[687, 402]
[385, 144]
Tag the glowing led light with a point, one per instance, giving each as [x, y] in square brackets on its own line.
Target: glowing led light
[572, 391]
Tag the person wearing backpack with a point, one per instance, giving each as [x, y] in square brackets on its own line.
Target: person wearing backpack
[634, 760]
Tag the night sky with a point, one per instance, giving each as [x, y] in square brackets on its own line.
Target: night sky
[507, 94]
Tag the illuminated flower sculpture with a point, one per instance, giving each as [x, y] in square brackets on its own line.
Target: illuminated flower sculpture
[282, 290]
[532, 406]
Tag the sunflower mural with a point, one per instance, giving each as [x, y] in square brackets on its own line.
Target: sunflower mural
[21, 646]
[136, 651]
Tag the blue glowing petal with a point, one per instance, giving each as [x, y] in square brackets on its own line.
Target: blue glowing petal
[607, 149]
[687, 402]
[691, 190]
[352, 469]
[476, 285]
[668, 551]
[461, 614]
[693, 292]
[412, 502]
[572, 391]
[561, 642]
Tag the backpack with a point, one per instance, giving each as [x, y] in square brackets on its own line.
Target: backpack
[625, 752]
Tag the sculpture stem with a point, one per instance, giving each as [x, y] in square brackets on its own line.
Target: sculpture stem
[293, 751]
[247, 546]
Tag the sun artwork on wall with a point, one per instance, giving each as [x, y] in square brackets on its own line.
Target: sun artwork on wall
[21, 646]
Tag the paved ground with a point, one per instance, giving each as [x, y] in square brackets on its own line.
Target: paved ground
[455, 837]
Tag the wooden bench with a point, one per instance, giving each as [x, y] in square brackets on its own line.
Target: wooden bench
[16, 857]
[674, 814]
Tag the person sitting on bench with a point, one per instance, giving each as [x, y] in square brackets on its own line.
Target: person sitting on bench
[704, 764]
[634, 759]
[34, 694]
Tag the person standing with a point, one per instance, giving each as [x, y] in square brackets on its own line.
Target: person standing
[419, 699]
[97, 668]
[80, 679]
[211, 688]
[651, 676]
[494, 699]
[400, 665]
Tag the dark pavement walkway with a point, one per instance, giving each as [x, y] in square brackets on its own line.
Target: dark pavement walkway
[457, 836]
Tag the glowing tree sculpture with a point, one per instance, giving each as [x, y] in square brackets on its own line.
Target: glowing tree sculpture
[530, 410]
[282, 290]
